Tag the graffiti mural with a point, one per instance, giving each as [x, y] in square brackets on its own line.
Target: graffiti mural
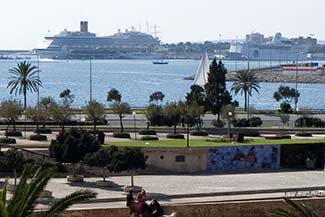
[244, 157]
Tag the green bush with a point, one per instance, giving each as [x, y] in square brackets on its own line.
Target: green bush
[13, 133]
[175, 136]
[8, 140]
[309, 122]
[124, 135]
[37, 137]
[279, 136]
[100, 135]
[252, 133]
[147, 132]
[199, 133]
[303, 134]
[215, 123]
[148, 138]
[252, 122]
[43, 130]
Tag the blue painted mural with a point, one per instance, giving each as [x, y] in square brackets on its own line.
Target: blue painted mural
[244, 157]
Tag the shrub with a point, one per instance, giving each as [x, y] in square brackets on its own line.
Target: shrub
[37, 137]
[215, 123]
[43, 130]
[309, 122]
[199, 133]
[121, 135]
[303, 134]
[147, 132]
[252, 133]
[8, 140]
[175, 136]
[147, 138]
[100, 135]
[279, 136]
[13, 133]
[252, 122]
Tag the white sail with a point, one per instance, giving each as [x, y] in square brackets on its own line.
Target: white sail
[201, 77]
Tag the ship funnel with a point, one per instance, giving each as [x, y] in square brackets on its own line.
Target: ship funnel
[83, 26]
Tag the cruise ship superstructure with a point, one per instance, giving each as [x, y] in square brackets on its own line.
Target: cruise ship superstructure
[277, 48]
[84, 44]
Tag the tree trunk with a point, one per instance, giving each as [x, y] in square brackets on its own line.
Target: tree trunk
[7, 130]
[132, 179]
[25, 100]
[73, 170]
[14, 124]
[95, 124]
[174, 128]
[15, 176]
[245, 95]
[104, 175]
[121, 123]
[248, 106]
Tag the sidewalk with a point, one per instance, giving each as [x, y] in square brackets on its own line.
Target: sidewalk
[197, 188]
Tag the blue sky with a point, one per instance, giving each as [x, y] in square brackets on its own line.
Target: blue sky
[25, 23]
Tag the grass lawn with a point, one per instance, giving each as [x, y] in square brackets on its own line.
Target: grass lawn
[203, 143]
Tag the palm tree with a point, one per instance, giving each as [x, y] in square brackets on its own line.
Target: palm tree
[299, 210]
[24, 78]
[244, 83]
[32, 183]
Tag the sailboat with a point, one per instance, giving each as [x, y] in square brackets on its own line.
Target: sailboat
[201, 76]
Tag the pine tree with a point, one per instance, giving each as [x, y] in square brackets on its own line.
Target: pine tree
[216, 92]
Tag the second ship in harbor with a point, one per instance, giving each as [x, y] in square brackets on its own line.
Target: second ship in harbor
[84, 45]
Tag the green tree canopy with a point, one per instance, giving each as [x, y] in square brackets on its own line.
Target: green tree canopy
[196, 96]
[95, 112]
[24, 79]
[11, 110]
[286, 94]
[156, 96]
[129, 159]
[216, 92]
[114, 96]
[172, 114]
[102, 158]
[121, 109]
[245, 82]
[72, 146]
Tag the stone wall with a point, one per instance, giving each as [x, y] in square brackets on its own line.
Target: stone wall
[179, 160]
[221, 209]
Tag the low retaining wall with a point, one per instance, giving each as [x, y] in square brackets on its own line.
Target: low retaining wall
[227, 209]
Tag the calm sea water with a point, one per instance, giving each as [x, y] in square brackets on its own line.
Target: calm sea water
[137, 79]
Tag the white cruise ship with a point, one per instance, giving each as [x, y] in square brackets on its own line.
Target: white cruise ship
[277, 48]
[84, 44]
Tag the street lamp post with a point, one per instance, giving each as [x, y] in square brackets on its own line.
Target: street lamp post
[134, 122]
[229, 130]
[296, 81]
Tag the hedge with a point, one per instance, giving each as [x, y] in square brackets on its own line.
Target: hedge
[175, 136]
[149, 138]
[43, 130]
[147, 132]
[303, 134]
[124, 135]
[199, 133]
[279, 136]
[8, 140]
[37, 137]
[13, 133]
